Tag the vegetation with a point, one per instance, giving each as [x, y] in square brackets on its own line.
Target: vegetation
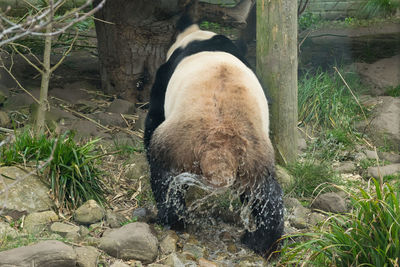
[69, 168]
[379, 8]
[308, 176]
[393, 91]
[369, 236]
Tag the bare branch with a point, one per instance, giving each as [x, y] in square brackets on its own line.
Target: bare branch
[35, 24]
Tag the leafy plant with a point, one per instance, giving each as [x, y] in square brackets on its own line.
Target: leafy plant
[308, 20]
[369, 236]
[393, 91]
[71, 172]
[308, 176]
[379, 8]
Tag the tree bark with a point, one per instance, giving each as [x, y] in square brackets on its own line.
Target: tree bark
[133, 37]
[277, 69]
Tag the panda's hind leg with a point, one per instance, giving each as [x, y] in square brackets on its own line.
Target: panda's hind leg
[170, 203]
[267, 210]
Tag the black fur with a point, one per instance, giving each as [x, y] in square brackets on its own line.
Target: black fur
[267, 210]
[184, 22]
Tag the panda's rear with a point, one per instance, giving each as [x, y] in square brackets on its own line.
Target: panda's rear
[209, 116]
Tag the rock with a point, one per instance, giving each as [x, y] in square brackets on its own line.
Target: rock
[298, 218]
[172, 260]
[371, 154]
[168, 243]
[73, 92]
[37, 221]
[110, 119]
[86, 256]
[119, 264]
[84, 128]
[7, 231]
[20, 100]
[143, 215]
[29, 195]
[140, 122]
[48, 253]
[315, 218]
[195, 250]
[157, 265]
[4, 119]
[360, 156]
[90, 212]
[283, 177]
[291, 203]
[383, 170]
[301, 144]
[63, 229]
[114, 220]
[83, 231]
[4, 92]
[131, 241]
[385, 127]
[206, 263]
[330, 202]
[380, 74]
[121, 106]
[392, 157]
[73, 236]
[346, 167]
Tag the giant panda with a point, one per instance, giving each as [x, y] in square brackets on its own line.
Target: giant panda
[208, 116]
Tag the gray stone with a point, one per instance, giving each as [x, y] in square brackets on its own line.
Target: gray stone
[291, 203]
[109, 119]
[4, 119]
[48, 253]
[301, 144]
[83, 231]
[143, 214]
[371, 154]
[86, 256]
[114, 220]
[195, 250]
[121, 106]
[385, 127]
[360, 156]
[90, 212]
[29, 195]
[7, 231]
[131, 241]
[73, 236]
[119, 264]
[298, 218]
[283, 177]
[346, 167]
[37, 221]
[168, 243]
[381, 74]
[392, 157]
[384, 170]
[85, 128]
[315, 218]
[18, 101]
[172, 260]
[330, 202]
[63, 229]
[157, 265]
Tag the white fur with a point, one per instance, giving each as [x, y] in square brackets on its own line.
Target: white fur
[195, 71]
[190, 34]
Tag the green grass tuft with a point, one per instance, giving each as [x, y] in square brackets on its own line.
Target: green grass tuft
[71, 174]
[308, 176]
[369, 236]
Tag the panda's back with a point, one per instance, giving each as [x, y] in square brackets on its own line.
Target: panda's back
[218, 84]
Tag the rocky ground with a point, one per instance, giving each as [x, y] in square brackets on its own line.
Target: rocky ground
[124, 233]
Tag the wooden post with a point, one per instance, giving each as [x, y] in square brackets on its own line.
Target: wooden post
[277, 70]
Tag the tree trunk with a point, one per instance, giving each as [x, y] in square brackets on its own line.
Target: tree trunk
[277, 69]
[133, 38]
[44, 86]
